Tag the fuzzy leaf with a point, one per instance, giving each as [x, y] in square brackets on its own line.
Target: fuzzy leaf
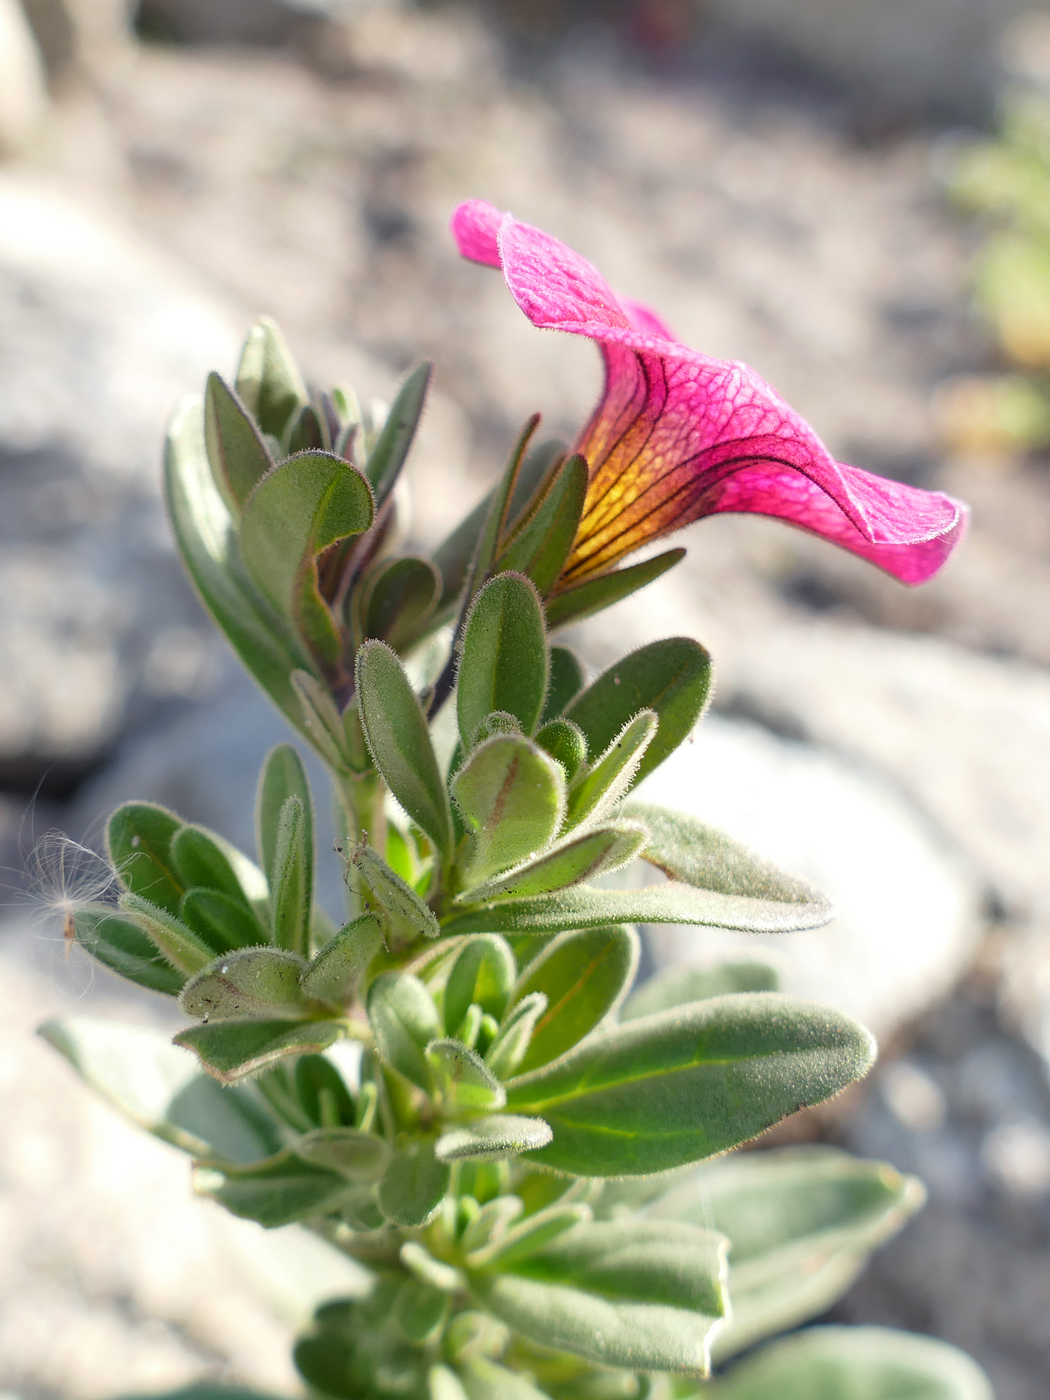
[338, 968]
[483, 973]
[253, 982]
[404, 915]
[596, 594]
[600, 789]
[234, 1050]
[618, 1294]
[300, 508]
[200, 862]
[179, 944]
[566, 744]
[282, 776]
[672, 903]
[320, 721]
[268, 382]
[498, 511]
[486, 1380]
[672, 677]
[596, 852]
[236, 450]
[688, 850]
[583, 976]
[138, 841]
[400, 743]
[855, 1363]
[504, 663]
[399, 597]
[391, 448]
[680, 985]
[541, 541]
[413, 1185]
[159, 1087]
[530, 1235]
[566, 682]
[801, 1222]
[404, 1021]
[462, 1080]
[355, 1155]
[205, 534]
[223, 923]
[279, 1191]
[121, 945]
[292, 878]
[689, 1083]
[492, 1139]
[512, 798]
[512, 1041]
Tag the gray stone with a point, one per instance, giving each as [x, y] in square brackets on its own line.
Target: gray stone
[906, 925]
[23, 90]
[99, 338]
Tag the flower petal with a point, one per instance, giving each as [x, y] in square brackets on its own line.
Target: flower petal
[679, 435]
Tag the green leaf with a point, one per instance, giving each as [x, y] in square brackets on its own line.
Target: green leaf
[542, 540]
[491, 1139]
[511, 1042]
[444, 1384]
[512, 798]
[268, 382]
[672, 677]
[567, 680]
[855, 1363]
[688, 850]
[320, 721]
[337, 970]
[398, 598]
[504, 663]
[180, 945]
[427, 1269]
[279, 1191]
[206, 539]
[689, 1083]
[485, 1380]
[391, 448]
[597, 852]
[124, 948]
[672, 903]
[405, 916]
[498, 509]
[234, 1050]
[530, 1235]
[236, 451]
[200, 862]
[306, 433]
[566, 744]
[413, 1185]
[596, 594]
[483, 972]
[159, 1087]
[399, 742]
[583, 976]
[223, 923]
[322, 1092]
[138, 841]
[282, 776]
[252, 982]
[404, 1021]
[355, 1155]
[490, 1223]
[421, 1312]
[461, 1079]
[631, 1293]
[600, 789]
[292, 879]
[300, 508]
[801, 1222]
[680, 985]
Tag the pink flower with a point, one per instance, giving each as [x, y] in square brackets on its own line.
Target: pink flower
[678, 435]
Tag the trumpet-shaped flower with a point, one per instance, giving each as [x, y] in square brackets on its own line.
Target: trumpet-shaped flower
[678, 435]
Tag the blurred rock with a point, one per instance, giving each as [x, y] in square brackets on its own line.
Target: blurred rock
[23, 89]
[933, 55]
[99, 338]
[906, 925]
[55, 32]
[232, 21]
